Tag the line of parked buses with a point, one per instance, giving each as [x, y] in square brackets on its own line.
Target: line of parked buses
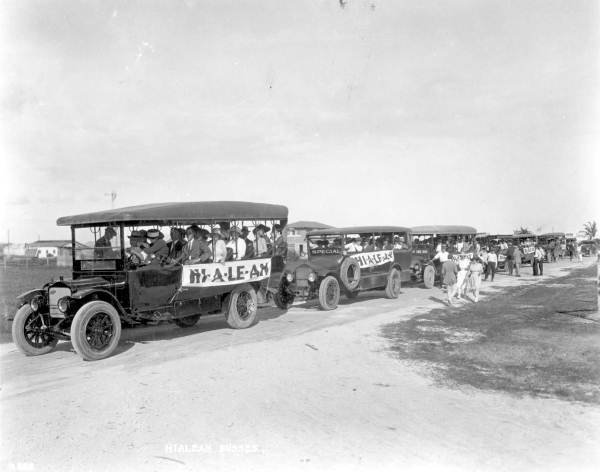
[109, 290]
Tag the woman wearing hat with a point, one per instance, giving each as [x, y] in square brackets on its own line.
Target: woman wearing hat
[219, 245]
[261, 243]
[236, 244]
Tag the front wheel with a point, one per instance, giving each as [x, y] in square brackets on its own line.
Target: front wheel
[394, 284]
[429, 276]
[241, 307]
[329, 293]
[282, 299]
[30, 332]
[96, 330]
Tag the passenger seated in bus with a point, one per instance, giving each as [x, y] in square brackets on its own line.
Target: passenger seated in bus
[236, 244]
[387, 245]
[134, 253]
[219, 245]
[157, 250]
[193, 250]
[354, 246]
[249, 243]
[177, 243]
[261, 242]
[368, 245]
[280, 242]
[399, 242]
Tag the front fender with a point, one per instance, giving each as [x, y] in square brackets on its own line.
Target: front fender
[82, 295]
[26, 297]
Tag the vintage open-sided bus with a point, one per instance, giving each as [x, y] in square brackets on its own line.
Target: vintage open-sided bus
[426, 240]
[110, 285]
[348, 260]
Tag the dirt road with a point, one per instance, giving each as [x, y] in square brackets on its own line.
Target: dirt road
[302, 390]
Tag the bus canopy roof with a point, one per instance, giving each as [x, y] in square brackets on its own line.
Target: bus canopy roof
[443, 229]
[179, 212]
[360, 229]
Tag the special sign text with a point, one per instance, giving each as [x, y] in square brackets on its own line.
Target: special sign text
[227, 273]
[372, 259]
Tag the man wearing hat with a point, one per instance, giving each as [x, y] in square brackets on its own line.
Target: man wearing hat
[236, 244]
[135, 254]
[157, 250]
[103, 247]
[280, 242]
[195, 250]
[261, 243]
[177, 243]
[249, 244]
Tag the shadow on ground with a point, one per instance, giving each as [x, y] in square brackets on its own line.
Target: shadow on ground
[540, 340]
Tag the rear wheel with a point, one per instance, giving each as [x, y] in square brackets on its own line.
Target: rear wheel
[95, 330]
[30, 332]
[241, 307]
[187, 321]
[394, 284]
[429, 276]
[329, 293]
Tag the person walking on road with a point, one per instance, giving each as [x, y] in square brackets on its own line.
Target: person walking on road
[461, 278]
[492, 263]
[538, 261]
[509, 259]
[474, 280]
[449, 273]
[579, 253]
[517, 260]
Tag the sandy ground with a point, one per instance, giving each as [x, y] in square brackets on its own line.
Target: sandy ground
[302, 390]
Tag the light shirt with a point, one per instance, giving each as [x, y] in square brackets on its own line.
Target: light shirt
[353, 247]
[442, 256]
[241, 248]
[220, 251]
[261, 245]
[464, 263]
[492, 257]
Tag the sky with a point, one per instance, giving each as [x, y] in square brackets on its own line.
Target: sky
[472, 112]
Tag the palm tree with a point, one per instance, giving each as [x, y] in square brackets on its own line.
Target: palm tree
[590, 228]
[522, 230]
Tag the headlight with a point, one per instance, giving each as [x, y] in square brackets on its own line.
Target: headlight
[35, 303]
[312, 277]
[63, 304]
[289, 277]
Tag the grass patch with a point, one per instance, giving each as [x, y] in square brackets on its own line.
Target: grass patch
[533, 340]
[15, 280]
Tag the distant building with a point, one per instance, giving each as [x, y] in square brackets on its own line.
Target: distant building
[56, 249]
[295, 234]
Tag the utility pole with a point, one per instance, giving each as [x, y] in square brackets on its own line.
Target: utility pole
[113, 197]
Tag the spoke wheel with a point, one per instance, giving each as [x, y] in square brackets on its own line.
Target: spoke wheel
[329, 293]
[95, 330]
[241, 307]
[394, 284]
[31, 332]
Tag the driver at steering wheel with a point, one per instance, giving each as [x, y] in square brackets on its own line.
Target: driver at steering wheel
[135, 255]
